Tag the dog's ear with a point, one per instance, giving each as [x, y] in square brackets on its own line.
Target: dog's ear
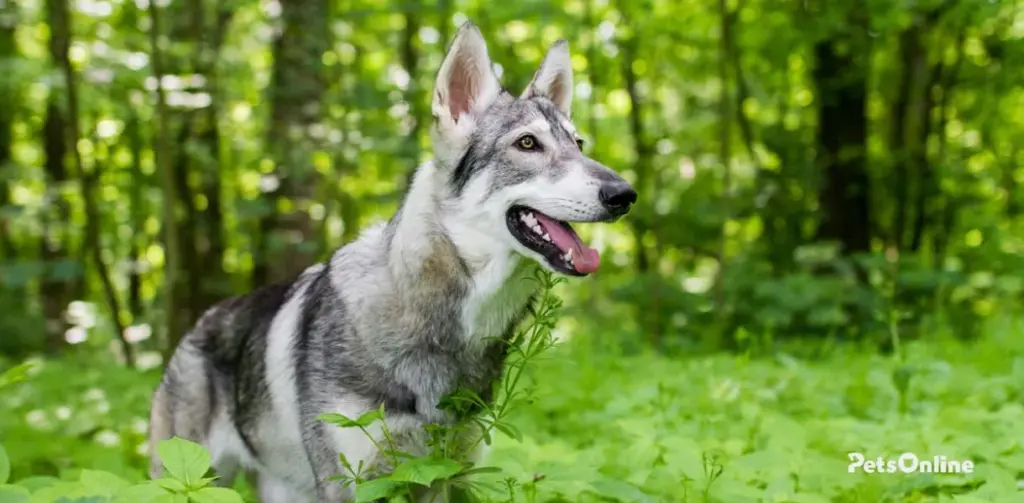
[553, 79]
[466, 83]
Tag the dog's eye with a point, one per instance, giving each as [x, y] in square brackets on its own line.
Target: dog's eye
[527, 143]
[579, 143]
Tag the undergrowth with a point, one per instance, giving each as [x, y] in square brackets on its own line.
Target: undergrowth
[575, 424]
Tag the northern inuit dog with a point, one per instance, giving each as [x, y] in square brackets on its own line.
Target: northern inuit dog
[410, 308]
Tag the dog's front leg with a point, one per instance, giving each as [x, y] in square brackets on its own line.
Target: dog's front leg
[323, 451]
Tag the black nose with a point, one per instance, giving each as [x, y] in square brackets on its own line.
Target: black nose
[617, 196]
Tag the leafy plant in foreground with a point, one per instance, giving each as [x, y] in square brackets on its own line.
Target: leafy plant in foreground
[186, 464]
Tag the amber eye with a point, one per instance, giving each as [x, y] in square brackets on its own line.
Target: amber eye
[527, 142]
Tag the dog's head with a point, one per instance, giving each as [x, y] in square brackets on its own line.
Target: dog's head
[515, 166]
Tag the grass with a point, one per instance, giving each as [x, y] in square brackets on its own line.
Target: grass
[722, 428]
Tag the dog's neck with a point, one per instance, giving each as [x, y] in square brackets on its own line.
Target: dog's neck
[432, 248]
[424, 231]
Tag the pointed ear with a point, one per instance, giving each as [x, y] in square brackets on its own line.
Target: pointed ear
[553, 79]
[466, 83]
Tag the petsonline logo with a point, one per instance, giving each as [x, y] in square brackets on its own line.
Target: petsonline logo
[908, 462]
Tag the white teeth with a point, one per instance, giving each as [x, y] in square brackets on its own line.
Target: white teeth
[531, 221]
[568, 256]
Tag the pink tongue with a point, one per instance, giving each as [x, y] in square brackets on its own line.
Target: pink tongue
[585, 259]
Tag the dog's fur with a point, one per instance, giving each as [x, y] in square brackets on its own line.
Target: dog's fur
[401, 315]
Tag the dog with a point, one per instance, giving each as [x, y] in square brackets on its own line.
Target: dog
[412, 307]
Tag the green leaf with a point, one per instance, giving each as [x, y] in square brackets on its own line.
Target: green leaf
[809, 498]
[509, 430]
[619, 490]
[342, 421]
[148, 492]
[967, 498]
[34, 484]
[5, 466]
[480, 469]
[15, 375]
[184, 460]
[215, 495]
[457, 494]
[171, 498]
[424, 471]
[375, 489]
[901, 377]
[102, 483]
[685, 458]
[13, 494]
[172, 485]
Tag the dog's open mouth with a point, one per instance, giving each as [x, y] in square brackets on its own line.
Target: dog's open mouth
[554, 240]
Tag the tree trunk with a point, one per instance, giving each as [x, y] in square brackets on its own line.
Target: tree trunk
[910, 51]
[350, 211]
[213, 282]
[641, 146]
[61, 26]
[196, 156]
[1010, 186]
[286, 243]
[725, 145]
[176, 322]
[649, 315]
[414, 95]
[192, 275]
[8, 102]
[928, 187]
[840, 76]
[444, 9]
[139, 210]
[946, 206]
[55, 243]
[912, 119]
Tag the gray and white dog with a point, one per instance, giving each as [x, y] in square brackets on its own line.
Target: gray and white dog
[412, 307]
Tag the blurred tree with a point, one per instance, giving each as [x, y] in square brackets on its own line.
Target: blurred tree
[57, 290]
[229, 144]
[176, 314]
[841, 71]
[295, 97]
[8, 102]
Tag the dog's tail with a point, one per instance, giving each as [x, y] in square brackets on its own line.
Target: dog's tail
[160, 428]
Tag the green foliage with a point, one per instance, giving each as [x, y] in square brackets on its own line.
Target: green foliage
[600, 426]
[90, 486]
[5, 466]
[735, 429]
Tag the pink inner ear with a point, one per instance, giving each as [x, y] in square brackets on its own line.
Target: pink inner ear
[460, 92]
[559, 89]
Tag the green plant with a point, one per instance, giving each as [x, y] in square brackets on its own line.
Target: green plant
[186, 464]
